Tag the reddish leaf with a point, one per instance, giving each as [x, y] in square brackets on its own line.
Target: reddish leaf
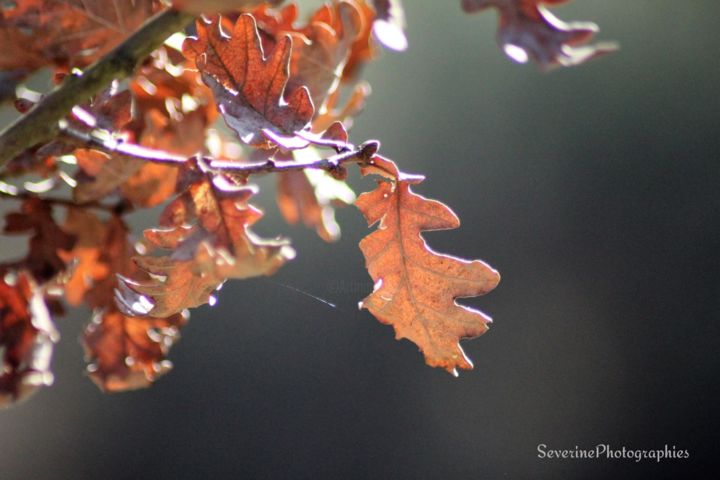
[27, 335]
[47, 241]
[207, 230]
[332, 113]
[127, 353]
[67, 33]
[87, 254]
[101, 173]
[529, 31]
[324, 48]
[249, 89]
[416, 287]
[311, 196]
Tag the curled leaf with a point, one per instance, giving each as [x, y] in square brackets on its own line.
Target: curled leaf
[27, 335]
[528, 31]
[207, 232]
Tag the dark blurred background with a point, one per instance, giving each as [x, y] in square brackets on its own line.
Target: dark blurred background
[593, 190]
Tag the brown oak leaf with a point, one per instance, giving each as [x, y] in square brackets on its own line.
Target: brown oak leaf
[124, 352]
[311, 196]
[90, 266]
[27, 335]
[528, 31]
[207, 231]
[322, 51]
[416, 287]
[66, 33]
[47, 241]
[249, 89]
[127, 353]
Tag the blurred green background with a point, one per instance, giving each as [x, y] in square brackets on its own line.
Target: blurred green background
[593, 190]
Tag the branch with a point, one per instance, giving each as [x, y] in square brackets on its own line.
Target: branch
[101, 140]
[335, 164]
[41, 123]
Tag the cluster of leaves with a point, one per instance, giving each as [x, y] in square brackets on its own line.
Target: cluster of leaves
[278, 84]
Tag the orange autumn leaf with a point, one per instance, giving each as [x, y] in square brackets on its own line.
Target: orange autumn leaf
[207, 233]
[89, 266]
[528, 31]
[27, 335]
[127, 353]
[47, 240]
[66, 33]
[416, 287]
[249, 88]
[321, 58]
[124, 352]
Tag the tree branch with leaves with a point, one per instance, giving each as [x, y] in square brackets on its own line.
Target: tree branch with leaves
[95, 149]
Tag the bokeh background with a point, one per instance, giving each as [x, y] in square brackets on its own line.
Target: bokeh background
[593, 190]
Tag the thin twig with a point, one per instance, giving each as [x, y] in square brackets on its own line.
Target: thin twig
[361, 154]
[99, 140]
[41, 123]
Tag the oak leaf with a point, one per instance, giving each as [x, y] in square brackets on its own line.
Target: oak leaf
[528, 31]
[389, 24]
[311, 196]
[124, 352]
[46, 242]
[65, 33]
[27, 335]
[323, 50]
[127, 353]
[207, 231]
[416, 287]
[249, 89]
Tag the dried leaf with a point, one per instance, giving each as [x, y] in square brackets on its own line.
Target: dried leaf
[124, 352]
[389, 24]
[47, 241]
[207, 230]
[249, 89]
[101, 173]
[311, 196]
[416, 287]
[528, 31]
[323, 49]
[89, 265]
[332, 113]
[27, 335]
[66, 33]
[127, 353]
